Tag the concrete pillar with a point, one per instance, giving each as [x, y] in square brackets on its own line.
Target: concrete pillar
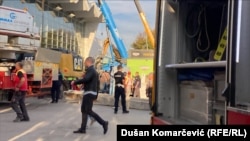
[86, 38]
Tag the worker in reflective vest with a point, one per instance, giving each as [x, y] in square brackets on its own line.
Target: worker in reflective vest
[18, 98]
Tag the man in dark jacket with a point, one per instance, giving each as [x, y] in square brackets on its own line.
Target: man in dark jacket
[91, 85]
[56, 88]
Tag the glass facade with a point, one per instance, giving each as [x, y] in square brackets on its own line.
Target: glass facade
[56, 30]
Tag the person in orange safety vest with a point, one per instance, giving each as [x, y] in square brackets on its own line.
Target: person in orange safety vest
[18, 98]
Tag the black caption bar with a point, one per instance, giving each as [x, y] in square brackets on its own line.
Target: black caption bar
[162, 132]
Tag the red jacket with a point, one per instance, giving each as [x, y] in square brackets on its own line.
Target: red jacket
[24, 87]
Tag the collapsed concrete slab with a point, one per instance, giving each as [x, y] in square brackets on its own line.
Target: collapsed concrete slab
[132, 103]
[73, 96]
[108, 100]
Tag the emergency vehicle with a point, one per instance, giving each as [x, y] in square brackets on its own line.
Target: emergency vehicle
[202, 62]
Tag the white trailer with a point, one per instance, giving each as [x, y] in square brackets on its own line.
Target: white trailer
[19, 37]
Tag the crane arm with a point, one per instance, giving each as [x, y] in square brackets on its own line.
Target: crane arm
[145, 23]
[112, 28]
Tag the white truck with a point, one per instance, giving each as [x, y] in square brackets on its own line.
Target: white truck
[20, 41]
[17, 27]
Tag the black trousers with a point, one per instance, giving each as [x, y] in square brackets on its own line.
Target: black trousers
[149, 95]
[120, 92]
[55, 92]
[106, 88]
[18, 104]
[132, 91]
[86, 109]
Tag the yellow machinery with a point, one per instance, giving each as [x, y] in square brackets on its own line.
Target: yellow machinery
[101, 63]
[145, 23]
[106, 46]
[71, 66]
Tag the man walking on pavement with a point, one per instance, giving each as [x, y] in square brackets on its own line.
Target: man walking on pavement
[120, 90]
[18, 99]
[91, 85]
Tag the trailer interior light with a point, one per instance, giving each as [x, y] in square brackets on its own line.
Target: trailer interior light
[238, 32]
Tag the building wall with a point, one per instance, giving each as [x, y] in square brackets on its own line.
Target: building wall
[88, 38]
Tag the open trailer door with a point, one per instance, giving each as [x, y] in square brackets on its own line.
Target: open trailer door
[238, 110]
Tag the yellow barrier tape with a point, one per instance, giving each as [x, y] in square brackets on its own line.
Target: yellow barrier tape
[221, 46]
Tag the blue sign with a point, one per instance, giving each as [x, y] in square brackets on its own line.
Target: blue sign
[5, 20]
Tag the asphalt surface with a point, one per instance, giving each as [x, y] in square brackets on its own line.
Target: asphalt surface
[56, 122]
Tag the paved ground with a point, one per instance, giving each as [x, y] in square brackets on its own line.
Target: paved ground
[55, 122]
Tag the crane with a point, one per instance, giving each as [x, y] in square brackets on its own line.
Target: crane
[117, 53]
[118, 50]
[145, 23]
[112, 28]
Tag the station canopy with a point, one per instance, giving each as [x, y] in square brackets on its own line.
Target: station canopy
[76, 10]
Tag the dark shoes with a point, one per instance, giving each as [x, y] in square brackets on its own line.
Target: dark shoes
[79, 131]
[18, 119]
[54, 102]
[125, 112]
[105, 127]
[25, 119]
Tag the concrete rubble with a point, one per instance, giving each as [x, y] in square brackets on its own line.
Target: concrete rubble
[108, 100]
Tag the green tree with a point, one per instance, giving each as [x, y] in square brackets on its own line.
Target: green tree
[142, 41]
